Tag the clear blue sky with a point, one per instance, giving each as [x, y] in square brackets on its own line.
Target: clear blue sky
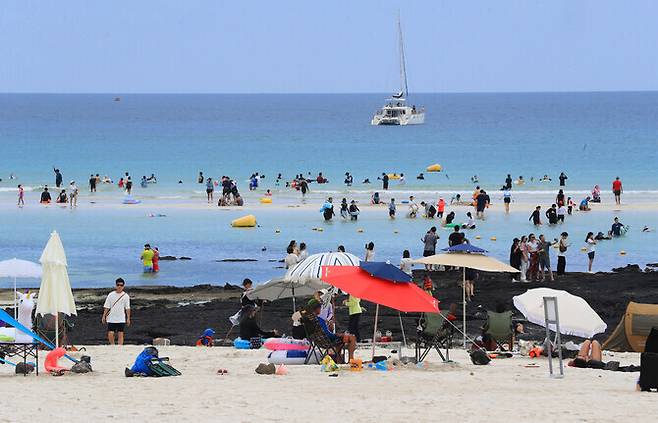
[339, 46]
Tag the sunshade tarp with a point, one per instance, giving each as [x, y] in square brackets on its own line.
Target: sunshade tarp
[473, 261]
[576, 317]
[633, 328]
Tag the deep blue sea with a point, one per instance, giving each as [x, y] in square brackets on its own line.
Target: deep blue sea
[593, 137]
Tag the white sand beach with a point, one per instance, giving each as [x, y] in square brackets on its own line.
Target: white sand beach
[502, 391]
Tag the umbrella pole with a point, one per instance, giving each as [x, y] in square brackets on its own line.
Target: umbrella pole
[294, 301]
[374, 332]
[15, 303]
[464, 303]
[56, 329]
[404, 337]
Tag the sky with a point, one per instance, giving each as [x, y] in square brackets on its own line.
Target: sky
[286, 46]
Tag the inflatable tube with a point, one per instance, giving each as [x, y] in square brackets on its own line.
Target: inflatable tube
[393, 176]
[51, 364]
[287, 344]
[241, 344]
[433, 168]
[248, 221]
[266, 200]
[451, 225]
[292, 357]
[130, 200]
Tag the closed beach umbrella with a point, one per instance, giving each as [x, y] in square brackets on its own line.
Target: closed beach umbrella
[19, 269]
[577, 318]
[55, 294]
[310, 269]
[466, 255]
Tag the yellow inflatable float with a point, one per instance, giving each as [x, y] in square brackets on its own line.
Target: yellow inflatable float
[393, 176]
[248, 221]
[266, 200]
[433, 168]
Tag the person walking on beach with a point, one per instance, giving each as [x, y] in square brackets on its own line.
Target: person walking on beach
[73, 194]
[590, 245]
[481, 202]
[559, 198]
[429, 244]
[440, 208]
[533, 252]
[617, 189]
[58, 178]
[535, 217]
[210, 188]
[21, 196]
[147, 258]
[391, 209]
[156, 260]
[344, 212]
[562, 247]
[327, 209]
[384, 181]
[129, 185]
[563, 179]
[116, 312]
[508, 182]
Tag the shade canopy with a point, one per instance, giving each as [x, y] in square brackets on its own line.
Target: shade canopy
[577, 318]
[474, 261]
[16, 268]
[405, 297]
[383, 270]
[464, 248]
[280, 288]
[55, 294]
[310, 269]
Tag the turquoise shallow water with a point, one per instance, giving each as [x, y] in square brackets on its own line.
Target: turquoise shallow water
[593, 137]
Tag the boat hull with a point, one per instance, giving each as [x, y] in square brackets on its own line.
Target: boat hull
[401, 120]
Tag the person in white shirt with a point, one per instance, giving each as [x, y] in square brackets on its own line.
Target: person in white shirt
[116, 312]
[73, 194]
[303, 252]
[413, 207]
[405, 262]
[370, 252]
[590, 245]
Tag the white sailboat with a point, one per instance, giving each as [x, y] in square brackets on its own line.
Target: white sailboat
[396, 111]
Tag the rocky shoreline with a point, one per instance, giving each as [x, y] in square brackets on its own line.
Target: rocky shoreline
[181, 314]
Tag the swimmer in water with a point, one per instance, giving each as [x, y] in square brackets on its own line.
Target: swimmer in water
[420, 177]
[647, 229]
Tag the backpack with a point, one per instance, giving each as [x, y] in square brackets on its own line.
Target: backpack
[479, 357]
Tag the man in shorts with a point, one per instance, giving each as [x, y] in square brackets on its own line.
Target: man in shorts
[617, 189]
[545, 258]
[116, 312]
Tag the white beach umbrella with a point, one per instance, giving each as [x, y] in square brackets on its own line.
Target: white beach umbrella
[577, 318]
[280, 288]
[19, 269]
[55, 294]
[310, 269]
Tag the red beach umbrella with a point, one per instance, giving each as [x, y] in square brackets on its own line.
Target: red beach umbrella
[402, 296]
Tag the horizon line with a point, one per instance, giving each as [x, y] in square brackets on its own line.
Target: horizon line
[118, 93]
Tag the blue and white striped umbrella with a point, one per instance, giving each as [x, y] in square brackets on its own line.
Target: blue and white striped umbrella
[310, 270]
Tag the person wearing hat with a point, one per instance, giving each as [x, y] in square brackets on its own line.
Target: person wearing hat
[341, 341]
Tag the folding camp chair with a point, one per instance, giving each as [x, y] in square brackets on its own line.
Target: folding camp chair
[45, 328]
[436, 332]
[318, 339]
[499, 328]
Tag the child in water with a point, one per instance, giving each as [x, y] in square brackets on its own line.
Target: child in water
[391, 209]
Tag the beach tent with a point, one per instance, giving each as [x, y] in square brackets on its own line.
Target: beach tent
[633, 328]
[55, 295]
[19, 269]
[466, 255]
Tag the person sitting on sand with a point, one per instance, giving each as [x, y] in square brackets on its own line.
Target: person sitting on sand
[249, 326]
[342, 341]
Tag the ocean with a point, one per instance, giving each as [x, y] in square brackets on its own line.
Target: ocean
[592, 137]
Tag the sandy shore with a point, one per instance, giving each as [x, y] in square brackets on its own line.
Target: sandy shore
[503, 391]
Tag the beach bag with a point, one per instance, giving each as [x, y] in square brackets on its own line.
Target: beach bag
[479, 357]
[255, 343]
[81, 367]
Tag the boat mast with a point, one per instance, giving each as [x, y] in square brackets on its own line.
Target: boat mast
[403, 67]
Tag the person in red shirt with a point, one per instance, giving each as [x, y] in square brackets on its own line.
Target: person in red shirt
[617, 190]
[440, 208]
